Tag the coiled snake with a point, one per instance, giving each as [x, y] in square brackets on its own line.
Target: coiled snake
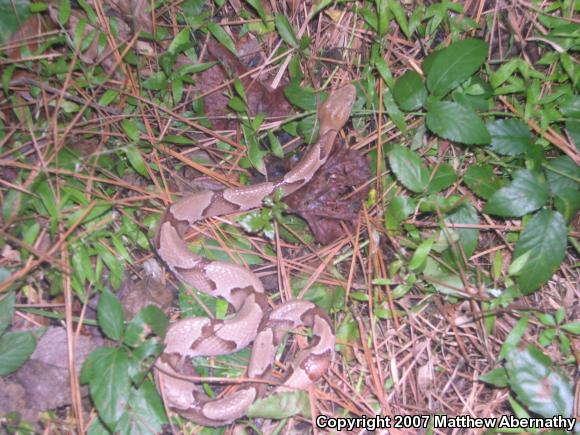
[254, 319]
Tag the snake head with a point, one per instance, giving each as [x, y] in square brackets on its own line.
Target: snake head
[335, 111]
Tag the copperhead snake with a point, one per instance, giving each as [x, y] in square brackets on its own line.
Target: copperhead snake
[254, 320]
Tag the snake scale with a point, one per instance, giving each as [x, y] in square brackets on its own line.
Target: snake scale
[254, 320]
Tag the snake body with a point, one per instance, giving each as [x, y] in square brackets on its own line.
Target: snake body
[254, 320]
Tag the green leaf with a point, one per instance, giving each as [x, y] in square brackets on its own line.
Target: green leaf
[257, 5]
[114, 263]
[514, 337]
[400, 16]
[147, 414]
[421, 253]
[6, 311]
[526, 193]
[147, 320]
[443, 178]
[509, 137]
[110, 315]
[482, 180]
[136, 160]
[572, 327]
[541, 388]
[497, 377]
[383, 69]
[457, 123]
[12, 15]
[108, 97]
[64, 11]
[46, 194]
[255, 152]
[409, 168]
[563, 174]
[400, 207]
[259, 221]
[156, 81]
[570, 107]
[131, 130]
[109, 382]
[409, 91]
[329, 298]
[465, 214]
[303, 97]
[15, 349]
[222, 36]
[393, 111]
[180, 41]
[544, 239]
[444, 282]
[286, 31]
[281, 405]
[454, 64]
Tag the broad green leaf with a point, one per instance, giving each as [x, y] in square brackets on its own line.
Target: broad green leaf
[409, 168]
[303, 97]
[131, 130]
[6, 310]
[544, 238]
[526, 193]
[514, 337]
[156, 81]
[136, 160]
[109, 382]
[400, 207]
[537, 384]
[15, 349]
[420, 254]
[383, 16]
[572, 327]
[194, 68]
[114, 263]
[147, 412]
[393, 111]
[573, 128]
[567, 202]
[457, 123]
[222, 36]
[285, 30]
[281, 405]
[64, 11]
[482, 180]
[12, 15]
[275, 145]
[443, 178]
[147, 320]
[255, 152]
[570, 107]
[180, 41]
[329, 298]
[46, 194]
[259, 221]
[444, 282]
[454, 64]
[110, 315]
[399, 13]
[384, 70]
[465, 214]
[257, 5]
[409, 91]
[497, 377]
[563, 174]
[509, 137]
[108, 97]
